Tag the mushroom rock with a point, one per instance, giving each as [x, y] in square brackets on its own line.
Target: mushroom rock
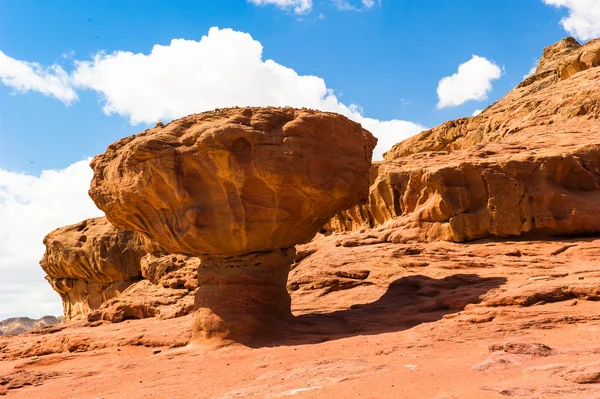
[239, 188]
[90, 262]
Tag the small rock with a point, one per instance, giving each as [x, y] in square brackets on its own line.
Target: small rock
[522, 348]
[585, 374]
[156, 351]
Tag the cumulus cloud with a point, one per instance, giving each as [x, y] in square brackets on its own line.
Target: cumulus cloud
[389, 133]
[583, 19]
[298, 6]
[473, 81]
[225, 68]
[29, 76]
[477, 112]
[30, 207]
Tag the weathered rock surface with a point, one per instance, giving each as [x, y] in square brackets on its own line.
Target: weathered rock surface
[167, 291]
[243, 296]
[19, 325]
[528, 164]
[238, 188]
[234, 181]
[512, 318]
[92, 261]
[545, 108]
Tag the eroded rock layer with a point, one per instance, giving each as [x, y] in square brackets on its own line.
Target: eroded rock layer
[92, 261]
[528, 164]
[240, 296]
[234, 181]
[167, 291]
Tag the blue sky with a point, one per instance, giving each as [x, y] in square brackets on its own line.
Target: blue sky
[64, 95]
[388, 59]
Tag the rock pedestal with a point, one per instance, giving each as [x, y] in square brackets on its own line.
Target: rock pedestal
[242, 296]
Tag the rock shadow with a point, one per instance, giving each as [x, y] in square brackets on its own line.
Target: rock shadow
[408, 302]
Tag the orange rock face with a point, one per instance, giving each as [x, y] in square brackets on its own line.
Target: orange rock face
[528, 164]
[91, 262]
[241, 297]
[238, 188]
[234, 181]
[167, 291]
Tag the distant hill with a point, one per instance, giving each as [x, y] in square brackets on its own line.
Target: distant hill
[19, 325]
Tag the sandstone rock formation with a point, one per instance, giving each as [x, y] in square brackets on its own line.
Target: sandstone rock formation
[167, 291]
[528, 164]
[92, 261]
[512, 318]
[239, 188]
[234, 181]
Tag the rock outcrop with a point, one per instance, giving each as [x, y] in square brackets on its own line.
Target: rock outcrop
[527, 165]
[167, 291]
[92, 261]
[19, 325]
[239, 188]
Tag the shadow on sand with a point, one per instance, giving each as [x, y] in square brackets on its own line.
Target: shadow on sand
[408, 302]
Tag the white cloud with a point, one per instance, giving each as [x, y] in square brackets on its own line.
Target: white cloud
[223, 69]
[305, 6]
[531, 72]
[31, 207]
[25, 76]
[298, 6]
[473, 81]
[476, 112]
[389, 133]
[583, 20]
[347, 5]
